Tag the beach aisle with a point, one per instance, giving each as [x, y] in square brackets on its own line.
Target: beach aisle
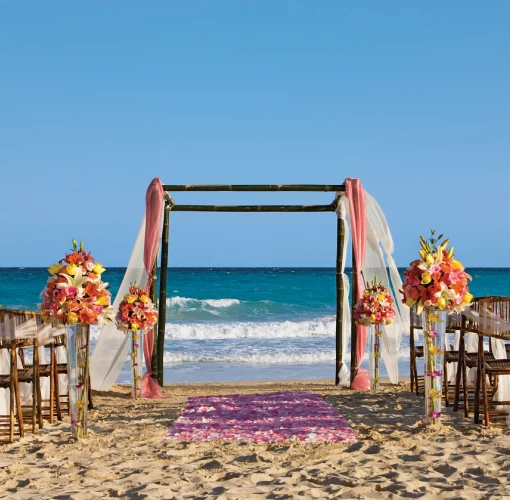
[127, 457]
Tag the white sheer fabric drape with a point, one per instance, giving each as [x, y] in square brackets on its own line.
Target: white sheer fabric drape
[490, 323]
[26, 330]
[113, 345]
[379, 245]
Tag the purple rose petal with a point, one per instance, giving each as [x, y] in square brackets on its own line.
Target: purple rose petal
[269, 417]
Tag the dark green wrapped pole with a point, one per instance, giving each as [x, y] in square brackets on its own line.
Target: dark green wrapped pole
[340, 242]
[154, 298]
[354, 337]
[160, 344]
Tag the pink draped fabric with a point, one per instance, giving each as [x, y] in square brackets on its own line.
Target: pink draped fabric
[358, 216]
[154, 201]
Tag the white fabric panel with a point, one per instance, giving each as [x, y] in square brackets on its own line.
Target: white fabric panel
[61, 357]
[503, 392]
[378, 238]
[113, 345]
[383, 235]
[5, 363]
[452, 367]
[379, 235]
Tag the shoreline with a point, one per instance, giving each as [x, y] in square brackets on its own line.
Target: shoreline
[125, 455]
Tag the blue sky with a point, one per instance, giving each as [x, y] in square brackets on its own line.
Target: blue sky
[99, 97]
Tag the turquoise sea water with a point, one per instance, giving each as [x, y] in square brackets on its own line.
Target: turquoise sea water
[228, 324]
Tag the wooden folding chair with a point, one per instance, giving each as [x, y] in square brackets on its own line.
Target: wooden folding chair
[8, 423]
[489, 370]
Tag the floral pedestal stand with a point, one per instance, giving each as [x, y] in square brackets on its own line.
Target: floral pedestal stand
[375, 356]
[434, 326]
[78, 377]
[136, 364]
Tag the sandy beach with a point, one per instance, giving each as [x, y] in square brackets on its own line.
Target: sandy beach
[126, 456]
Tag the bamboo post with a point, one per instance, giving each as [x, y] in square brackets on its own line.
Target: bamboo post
[254, 208]
[255, 187]
[162, 295]
[354, 330]
[153, 291]
[340, 242]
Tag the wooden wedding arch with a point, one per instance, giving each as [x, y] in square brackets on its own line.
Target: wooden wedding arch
[171, 205]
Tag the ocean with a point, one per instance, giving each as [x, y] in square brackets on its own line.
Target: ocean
[243, 324]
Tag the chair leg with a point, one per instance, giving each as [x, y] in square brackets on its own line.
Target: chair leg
[476, 403]
[485, 400]
[412, 372]
[39, 403]
[91, 405]
[52, 397]
[445, 380]
[478, 380]
[57, 394]
[11, 413]
[464, 389]
[457, 379]
[34, 407]
[19, 410]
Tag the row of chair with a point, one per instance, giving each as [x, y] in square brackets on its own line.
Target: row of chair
[480, 394]
[23, 373]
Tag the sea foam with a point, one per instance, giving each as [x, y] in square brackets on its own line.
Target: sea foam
[249, 329]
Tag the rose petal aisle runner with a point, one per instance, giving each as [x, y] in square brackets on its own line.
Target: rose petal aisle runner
[261, 418]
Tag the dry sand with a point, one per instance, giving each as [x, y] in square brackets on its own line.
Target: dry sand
[125, 455]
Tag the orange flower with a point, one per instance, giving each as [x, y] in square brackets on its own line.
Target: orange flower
[87, 316]
[74, 258]
[92, 290]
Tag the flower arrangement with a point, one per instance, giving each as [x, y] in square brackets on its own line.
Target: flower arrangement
[436, 280]
[137, 313]
[75, 292]
[76, 296]
[435, 284]
[375, 308]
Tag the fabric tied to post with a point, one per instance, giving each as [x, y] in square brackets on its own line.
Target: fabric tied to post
[358, 217]
[154, 202]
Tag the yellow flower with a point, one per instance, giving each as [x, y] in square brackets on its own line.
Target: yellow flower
[136, 336]
[130, 298]
[372, 318]
[381, 296]
[366, 293]
[456, 264]
[102, 301]
[71, 269]
[135, 327]
[435, 317]
[441, 302]
[410, 302]
[98, 269]
[80, 404]
[54, 269]
[144, 298]
[82, 365]
[468, 298]
[426, 278]
[435, 350]
[132, 354]
[434, 394]
[429, 259]
[72, 318]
